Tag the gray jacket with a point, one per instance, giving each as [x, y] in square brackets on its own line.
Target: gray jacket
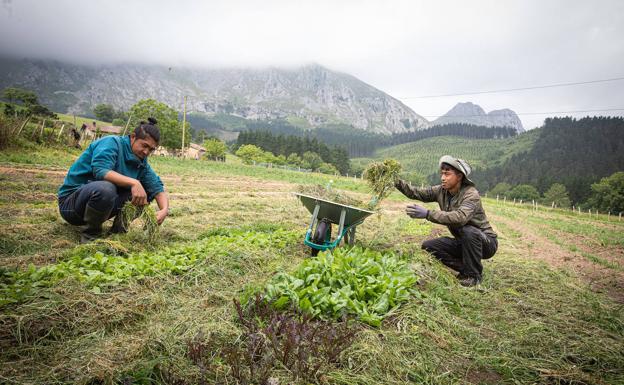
[458, 210]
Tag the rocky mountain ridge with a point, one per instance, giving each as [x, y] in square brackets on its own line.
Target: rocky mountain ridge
[310, 95]
[471, 113]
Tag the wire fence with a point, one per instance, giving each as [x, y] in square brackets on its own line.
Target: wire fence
[536, 206]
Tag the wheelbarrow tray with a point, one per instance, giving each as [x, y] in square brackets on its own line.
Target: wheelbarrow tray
[345, 216]
[332, 210]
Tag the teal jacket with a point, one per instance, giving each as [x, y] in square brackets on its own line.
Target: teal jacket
[110, 153]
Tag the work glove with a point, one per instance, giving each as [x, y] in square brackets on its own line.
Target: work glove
[416, 211]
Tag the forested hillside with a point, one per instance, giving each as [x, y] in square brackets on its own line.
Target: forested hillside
[573, 152]
[422, 156]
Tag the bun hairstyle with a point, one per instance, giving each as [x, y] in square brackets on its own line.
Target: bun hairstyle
[148, 128]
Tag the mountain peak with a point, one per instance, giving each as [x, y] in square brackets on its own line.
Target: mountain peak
[471, 113]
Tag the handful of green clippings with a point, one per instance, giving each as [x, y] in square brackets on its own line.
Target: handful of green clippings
[381, 177]
[146, 214]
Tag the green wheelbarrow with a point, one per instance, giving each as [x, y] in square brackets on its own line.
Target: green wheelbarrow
[324, 214]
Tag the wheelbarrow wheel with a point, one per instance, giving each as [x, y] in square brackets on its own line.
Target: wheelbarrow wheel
[322, 234]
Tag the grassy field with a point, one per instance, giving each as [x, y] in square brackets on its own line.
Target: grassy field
[422, 156]
[80, 120]
[122, 311]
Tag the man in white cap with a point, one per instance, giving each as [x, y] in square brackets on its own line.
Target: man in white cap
[461, 211]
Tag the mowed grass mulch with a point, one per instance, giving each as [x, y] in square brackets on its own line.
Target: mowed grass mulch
[529, 322]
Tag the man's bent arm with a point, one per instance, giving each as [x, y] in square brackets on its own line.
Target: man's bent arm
[427, 194]
[120, 180]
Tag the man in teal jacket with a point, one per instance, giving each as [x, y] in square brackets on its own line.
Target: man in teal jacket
[110, 172]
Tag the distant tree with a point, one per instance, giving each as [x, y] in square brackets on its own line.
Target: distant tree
[104, 112]
[9, 110]
[501, 189]
[119, 122]
[170, 127]
[250, 153]
[215, 149]
[327, 168]
[311, 160]
[38, 109]
[13, 94]
[120, 115]
[608, 194]
[294, 159]
[526, 192]
[558, 194]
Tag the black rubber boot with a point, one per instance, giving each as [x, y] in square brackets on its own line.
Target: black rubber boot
[119, 225]
[94, 220]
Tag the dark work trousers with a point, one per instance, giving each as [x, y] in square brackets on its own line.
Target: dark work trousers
[464, 252]
[102, 196]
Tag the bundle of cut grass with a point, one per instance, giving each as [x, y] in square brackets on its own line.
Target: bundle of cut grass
[381, 178]
[146, 214]
[330, 194]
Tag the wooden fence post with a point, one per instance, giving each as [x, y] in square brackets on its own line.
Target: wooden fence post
[23, 125]
[60, 132]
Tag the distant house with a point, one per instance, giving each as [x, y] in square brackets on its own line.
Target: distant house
[93, 131]
[111, 130]
[194, 151]
[161, 151]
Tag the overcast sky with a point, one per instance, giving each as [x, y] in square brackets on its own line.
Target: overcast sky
[405, 48]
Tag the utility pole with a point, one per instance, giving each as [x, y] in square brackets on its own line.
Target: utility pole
[183, 127]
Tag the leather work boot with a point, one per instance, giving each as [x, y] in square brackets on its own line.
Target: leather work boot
[94, 220]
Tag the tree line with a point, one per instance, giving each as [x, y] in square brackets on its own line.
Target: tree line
[357, 142]
[286, 145]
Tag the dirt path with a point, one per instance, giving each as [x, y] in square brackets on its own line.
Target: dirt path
[536, 246]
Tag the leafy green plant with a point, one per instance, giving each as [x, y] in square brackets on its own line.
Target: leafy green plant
[361, 282]
[107, 263]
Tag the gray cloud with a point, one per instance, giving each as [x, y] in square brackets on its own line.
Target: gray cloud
[406, 48]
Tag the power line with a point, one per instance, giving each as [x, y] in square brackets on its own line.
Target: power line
[529, 113]
[513, 89]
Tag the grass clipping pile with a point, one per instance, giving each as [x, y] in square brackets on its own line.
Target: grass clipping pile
[145, 214]
[329, 194]
[381, 177]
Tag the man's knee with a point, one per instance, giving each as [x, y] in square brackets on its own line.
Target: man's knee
[104, 191]
[469, 232]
